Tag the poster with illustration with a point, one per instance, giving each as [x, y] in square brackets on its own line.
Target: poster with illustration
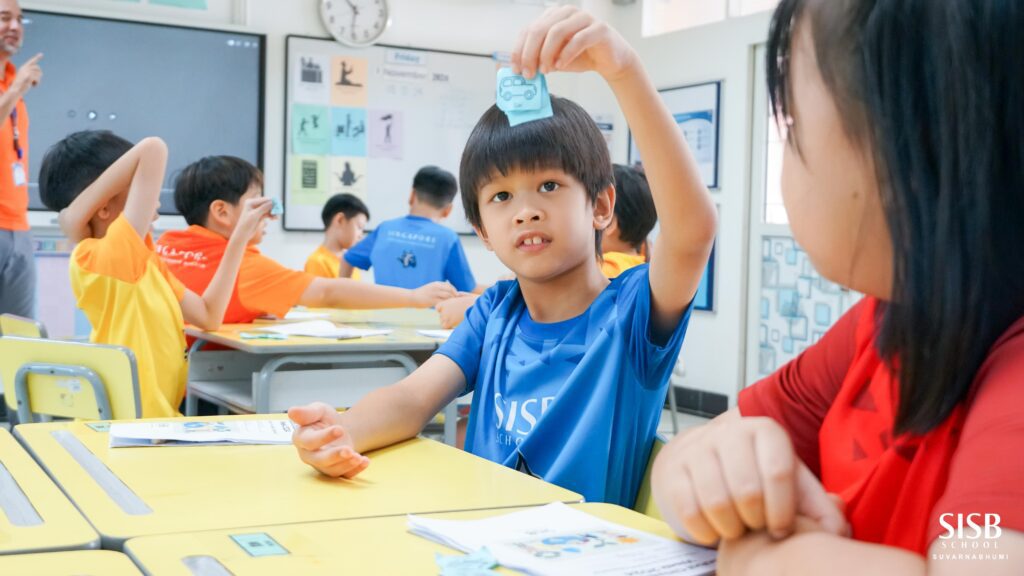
[348, 131]
[311, 79]
[348, 175]
[311, 130]
[385, 134]
[309, 180]
[348, 81]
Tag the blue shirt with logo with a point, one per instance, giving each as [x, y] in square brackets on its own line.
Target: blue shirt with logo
[576, 403]
[411, 251]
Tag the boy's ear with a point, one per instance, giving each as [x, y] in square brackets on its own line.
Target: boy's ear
[112, 208]
[219, 212]
[412, 197]
[340, 219]
[483, 237]
[604, 208]
[447, 211]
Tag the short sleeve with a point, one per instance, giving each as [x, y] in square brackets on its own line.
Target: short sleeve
[465, 345]
[359, 255]
[120, 254]
[176, 286]
[456, 269]
[799, 395]
[268, 287]
[650, 358]
[986, 470]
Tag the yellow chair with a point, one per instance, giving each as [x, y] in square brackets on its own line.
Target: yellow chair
[69, 379]
[644, 500]
[11, 325]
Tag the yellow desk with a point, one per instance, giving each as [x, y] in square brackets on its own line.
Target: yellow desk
[128, 492]
[77, 563]
[34, 515]
[370, 546]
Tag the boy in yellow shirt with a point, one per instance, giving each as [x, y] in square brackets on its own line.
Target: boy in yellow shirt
[625, 240]
[107, 192]
[345, 218]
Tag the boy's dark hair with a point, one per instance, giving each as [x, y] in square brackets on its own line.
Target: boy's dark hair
[569, 141]
[934, 92]
[435, 186]
[634, 206]
[75, 162]
[212, 178]
[347, 204]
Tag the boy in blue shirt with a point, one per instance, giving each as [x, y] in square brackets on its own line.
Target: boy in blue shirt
[569, 369]
[414, 250]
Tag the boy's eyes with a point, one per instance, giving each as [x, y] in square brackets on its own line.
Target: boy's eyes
[500, 197]
[549, 186]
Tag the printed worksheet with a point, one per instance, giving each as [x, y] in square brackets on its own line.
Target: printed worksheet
[557, 539]
[192, 433]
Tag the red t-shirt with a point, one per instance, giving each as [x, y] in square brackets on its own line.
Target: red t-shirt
[838, 401]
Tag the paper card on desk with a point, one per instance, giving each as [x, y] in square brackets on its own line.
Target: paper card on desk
[305, 315]
[439, 334]
[556, 539]
[191, 433]
[321, 329]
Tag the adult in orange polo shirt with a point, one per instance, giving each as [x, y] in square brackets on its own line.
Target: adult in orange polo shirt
[17, 267]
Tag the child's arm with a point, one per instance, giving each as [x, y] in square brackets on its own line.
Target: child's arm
[345, 269]
[139, 173]
[207, 311]
[565, 38]
[453, 310]
[333, 443]
[348, 293]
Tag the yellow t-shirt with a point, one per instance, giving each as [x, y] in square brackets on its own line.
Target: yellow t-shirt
[132, 300]
[325, 264]
[616, 263]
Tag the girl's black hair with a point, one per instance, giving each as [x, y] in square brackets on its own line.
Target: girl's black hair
[933, 89]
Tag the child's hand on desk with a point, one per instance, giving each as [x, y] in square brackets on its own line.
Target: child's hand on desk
[253, 219]
[323, 443]
[736, 475]
[453, 310]
[428, 295]
[567, 38]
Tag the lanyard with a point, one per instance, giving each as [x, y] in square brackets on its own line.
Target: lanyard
[17, 134]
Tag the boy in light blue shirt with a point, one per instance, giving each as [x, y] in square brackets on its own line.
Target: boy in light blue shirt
[569, 369]
[414, 250]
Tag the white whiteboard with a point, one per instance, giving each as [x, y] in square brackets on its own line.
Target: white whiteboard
[364, 121]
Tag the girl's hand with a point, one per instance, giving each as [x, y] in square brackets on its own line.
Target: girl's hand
[736, 475]
[569, 39]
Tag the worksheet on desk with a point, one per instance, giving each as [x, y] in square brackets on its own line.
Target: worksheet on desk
[556, 540]
[194, 433]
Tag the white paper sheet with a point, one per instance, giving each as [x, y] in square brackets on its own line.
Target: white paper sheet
[191, 433]
[556, 539]
[321, 329]
[439, 334]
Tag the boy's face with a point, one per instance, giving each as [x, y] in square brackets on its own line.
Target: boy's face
[541, 224]
[348, 231]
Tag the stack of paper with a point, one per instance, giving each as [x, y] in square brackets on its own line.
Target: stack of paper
[190, 433]
[321, 329]
[296, 315]
[556, 539]
[439, 334]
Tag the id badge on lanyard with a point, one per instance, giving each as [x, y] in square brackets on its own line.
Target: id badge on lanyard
[18, 168]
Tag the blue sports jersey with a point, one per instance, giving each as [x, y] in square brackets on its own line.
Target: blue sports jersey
[576, 403]
[412, 251]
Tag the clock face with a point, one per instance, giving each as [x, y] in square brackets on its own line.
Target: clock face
[355, 22]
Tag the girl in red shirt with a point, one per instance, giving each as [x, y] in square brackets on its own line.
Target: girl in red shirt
[896, 444]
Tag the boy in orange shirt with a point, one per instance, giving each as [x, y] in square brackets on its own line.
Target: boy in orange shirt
[624, 242]
[345, 217]
[210, 194]
[107, 192]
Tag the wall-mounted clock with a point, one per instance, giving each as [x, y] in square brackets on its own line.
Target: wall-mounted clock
[355, 22]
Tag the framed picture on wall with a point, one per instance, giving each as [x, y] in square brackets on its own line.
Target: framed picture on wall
[705, 297]
[696, 109]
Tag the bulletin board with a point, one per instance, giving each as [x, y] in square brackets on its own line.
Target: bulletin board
[696, 110]
[363, 121]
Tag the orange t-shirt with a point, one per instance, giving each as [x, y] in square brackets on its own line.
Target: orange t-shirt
[263, 286]
[132, 300]
[13, 198]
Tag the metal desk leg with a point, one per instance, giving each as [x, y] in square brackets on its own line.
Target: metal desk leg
[451, 420]
[191, 402]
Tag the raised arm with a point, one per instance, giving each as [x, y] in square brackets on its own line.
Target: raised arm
[566, 38]
[139, 173]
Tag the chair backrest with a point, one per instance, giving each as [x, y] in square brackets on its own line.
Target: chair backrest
[644, 499]
[69, 379]
[11, 325]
